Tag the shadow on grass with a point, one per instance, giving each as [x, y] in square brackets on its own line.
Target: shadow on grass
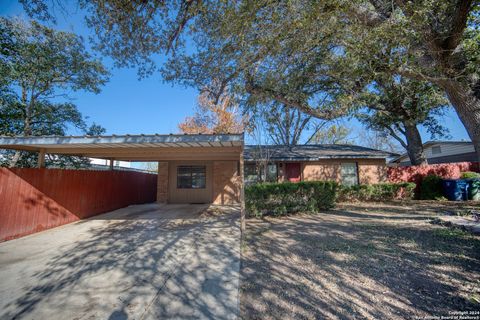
[345, 264]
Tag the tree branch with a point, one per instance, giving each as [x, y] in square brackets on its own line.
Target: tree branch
[394, 135]
[317, 128]
[262, 92]
[459, 23]
[182, 18]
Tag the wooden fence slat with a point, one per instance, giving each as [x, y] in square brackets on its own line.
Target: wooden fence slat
[33, 199]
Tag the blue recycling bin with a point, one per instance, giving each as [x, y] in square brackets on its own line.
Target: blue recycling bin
[455, 189]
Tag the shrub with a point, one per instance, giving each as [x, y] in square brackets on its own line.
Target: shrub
[377, 192]
[469, 175]
[431, 188]
[284, 198]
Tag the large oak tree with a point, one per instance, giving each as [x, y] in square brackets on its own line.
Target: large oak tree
[295, 52]
[397, 107]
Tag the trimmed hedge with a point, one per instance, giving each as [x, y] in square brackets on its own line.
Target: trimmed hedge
[283, 198]
[377, 192]
[431, 188]
[469, 175]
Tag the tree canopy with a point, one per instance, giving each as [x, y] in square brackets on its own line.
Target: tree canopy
[298, 53]
[214, 116]
[397, 106]
[40, 66]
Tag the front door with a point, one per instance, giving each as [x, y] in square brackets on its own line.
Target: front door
[293, 171]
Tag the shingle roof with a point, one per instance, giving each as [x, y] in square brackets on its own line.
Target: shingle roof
[312, 152]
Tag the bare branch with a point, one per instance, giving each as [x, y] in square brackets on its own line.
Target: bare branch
[326, 114]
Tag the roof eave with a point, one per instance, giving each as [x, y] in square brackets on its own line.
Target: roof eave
[310, 159]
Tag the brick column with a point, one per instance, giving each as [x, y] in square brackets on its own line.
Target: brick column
[162, 182]
[226, 182]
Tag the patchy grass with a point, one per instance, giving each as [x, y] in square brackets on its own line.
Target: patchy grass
[373, 261]
[452, 233]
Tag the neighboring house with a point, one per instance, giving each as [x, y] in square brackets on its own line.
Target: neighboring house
[443, 152]
[106, 163]
[346, 164]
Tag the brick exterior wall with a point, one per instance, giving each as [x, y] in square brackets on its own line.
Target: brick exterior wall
[162, 182]
[372, 171]
[321, 170]
[226, 182]
[369, 170]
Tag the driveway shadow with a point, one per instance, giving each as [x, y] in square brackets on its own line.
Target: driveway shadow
[139, 262]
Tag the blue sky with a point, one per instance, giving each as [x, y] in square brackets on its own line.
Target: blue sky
[125, 104]
[128, 105]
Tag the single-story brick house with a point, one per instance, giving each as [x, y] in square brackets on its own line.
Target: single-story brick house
[191, 169]
[207, 168]
[346, 164]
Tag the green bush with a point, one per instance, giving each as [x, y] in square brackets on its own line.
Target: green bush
[431, 188]
[469, 175]
[285, 198]
[377, 192]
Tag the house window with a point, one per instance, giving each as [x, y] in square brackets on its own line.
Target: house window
[272, 172]
[191, 177]
[349, 174]
[254, 172]
[251, 175]
[436, 150]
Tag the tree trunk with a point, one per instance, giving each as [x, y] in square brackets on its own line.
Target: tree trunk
[26, 127]
[414, 145]
[15, 158]
[467, 106]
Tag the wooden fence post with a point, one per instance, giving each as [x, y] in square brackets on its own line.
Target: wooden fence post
[41, 159]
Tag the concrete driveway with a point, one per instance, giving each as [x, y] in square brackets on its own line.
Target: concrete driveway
[142, 262]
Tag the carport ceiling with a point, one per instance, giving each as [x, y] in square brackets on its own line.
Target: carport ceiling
[134, 147]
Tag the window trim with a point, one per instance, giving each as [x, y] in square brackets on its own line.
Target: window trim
[190, 167]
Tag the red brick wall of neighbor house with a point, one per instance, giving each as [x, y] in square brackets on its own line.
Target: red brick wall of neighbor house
[369, 170]
[444, 170]
[226, 182]
[33, 200]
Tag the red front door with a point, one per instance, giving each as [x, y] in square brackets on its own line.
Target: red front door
[293, 171]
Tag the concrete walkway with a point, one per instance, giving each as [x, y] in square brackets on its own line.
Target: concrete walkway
[141, 262]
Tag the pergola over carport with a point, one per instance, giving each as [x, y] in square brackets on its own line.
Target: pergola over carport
[212, 148]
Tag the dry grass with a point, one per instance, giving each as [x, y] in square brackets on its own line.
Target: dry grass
[367, 261]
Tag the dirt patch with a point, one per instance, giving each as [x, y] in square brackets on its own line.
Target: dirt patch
[371, 261]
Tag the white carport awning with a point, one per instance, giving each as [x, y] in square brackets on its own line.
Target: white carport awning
[134, 147]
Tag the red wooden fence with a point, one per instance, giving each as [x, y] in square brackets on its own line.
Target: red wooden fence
[32, 200]
[417, 173]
